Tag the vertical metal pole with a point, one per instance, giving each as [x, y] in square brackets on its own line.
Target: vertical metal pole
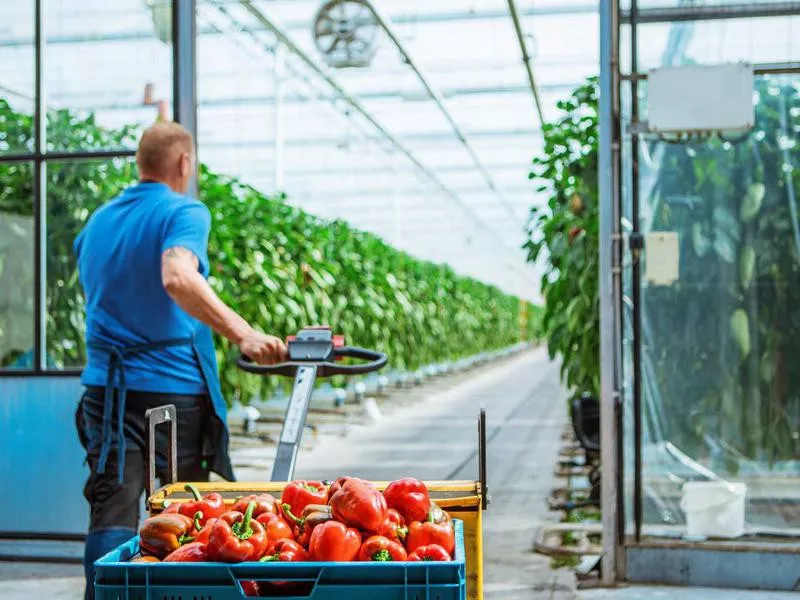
[39, 194]
[184, 68]
[608, 177]
[280, 77]
[636, 282]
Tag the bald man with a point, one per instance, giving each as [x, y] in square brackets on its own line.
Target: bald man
[143, 263]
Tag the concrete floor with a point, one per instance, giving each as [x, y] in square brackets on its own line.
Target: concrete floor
[431, 433]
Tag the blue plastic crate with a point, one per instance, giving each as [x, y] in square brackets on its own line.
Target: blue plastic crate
[118, 579]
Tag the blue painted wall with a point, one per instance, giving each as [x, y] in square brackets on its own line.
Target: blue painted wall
[41, 459]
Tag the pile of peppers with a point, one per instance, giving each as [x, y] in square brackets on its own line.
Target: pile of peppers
[347, 520]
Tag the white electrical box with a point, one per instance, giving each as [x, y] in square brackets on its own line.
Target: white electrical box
[713, 98]
[662, 257]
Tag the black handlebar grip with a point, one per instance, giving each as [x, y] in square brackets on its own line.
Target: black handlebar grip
[376, 361]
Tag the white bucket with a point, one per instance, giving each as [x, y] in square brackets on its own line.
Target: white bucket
[714, 508]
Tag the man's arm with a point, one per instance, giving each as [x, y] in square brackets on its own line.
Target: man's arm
[190, 290]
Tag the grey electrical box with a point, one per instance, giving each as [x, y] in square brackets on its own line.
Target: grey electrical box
[696, 98]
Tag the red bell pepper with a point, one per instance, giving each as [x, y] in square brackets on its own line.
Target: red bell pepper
[337, 485]
[251, 589]
[171, 508]
[211, 505]
[163, 534]
[394, 527]
[193, 552]
[432, 552]
[381, 549]
[299, 494]
[205, 531]
[276, 529]
[265, 503]
[334, 542]
[409, 497]
[427, 533]
[303, 526]
[359, 505]
[286, 551]
[236, 537]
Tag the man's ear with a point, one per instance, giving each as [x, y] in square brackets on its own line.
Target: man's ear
[186, 164]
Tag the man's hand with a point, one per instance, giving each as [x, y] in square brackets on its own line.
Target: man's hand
[264, 349]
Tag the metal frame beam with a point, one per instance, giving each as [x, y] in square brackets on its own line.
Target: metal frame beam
[184, 69]
[373, 170]
[700, 12]
[434, 136]
[437, 97]
[369, 194]
[609, 275]
[290, 99]
[527, 60]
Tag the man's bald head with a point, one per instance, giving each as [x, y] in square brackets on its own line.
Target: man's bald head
[166, 154]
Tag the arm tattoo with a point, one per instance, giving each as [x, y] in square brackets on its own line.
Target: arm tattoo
[177, 253]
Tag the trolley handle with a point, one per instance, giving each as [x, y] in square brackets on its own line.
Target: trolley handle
[375, 361]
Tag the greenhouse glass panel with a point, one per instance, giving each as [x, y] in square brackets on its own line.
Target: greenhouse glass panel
[74, 190]
[720, 391]
[16, 265]
[108, 62]
[17, 56]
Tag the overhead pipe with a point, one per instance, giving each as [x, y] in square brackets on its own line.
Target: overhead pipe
[284, 37]
[526, 59]
[437, 97]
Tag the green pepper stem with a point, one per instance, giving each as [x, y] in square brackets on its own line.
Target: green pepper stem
[288, 510]
[185, 539]
[382, 556]
[197, 516]
[248, 515]
[270, 558]
[242, 529]
[193, 491]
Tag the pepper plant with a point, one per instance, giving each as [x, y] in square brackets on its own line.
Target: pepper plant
[278, 266]
[563, 239]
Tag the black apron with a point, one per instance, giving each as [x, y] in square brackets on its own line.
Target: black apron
[217, 434]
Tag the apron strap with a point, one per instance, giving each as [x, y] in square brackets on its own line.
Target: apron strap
[116, 378]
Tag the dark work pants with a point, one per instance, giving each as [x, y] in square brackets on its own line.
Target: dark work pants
[114, 507]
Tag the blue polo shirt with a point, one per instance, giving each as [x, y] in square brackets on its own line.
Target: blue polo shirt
[119, 265]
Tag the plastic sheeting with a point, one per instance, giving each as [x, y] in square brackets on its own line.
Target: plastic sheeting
[719, 346]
